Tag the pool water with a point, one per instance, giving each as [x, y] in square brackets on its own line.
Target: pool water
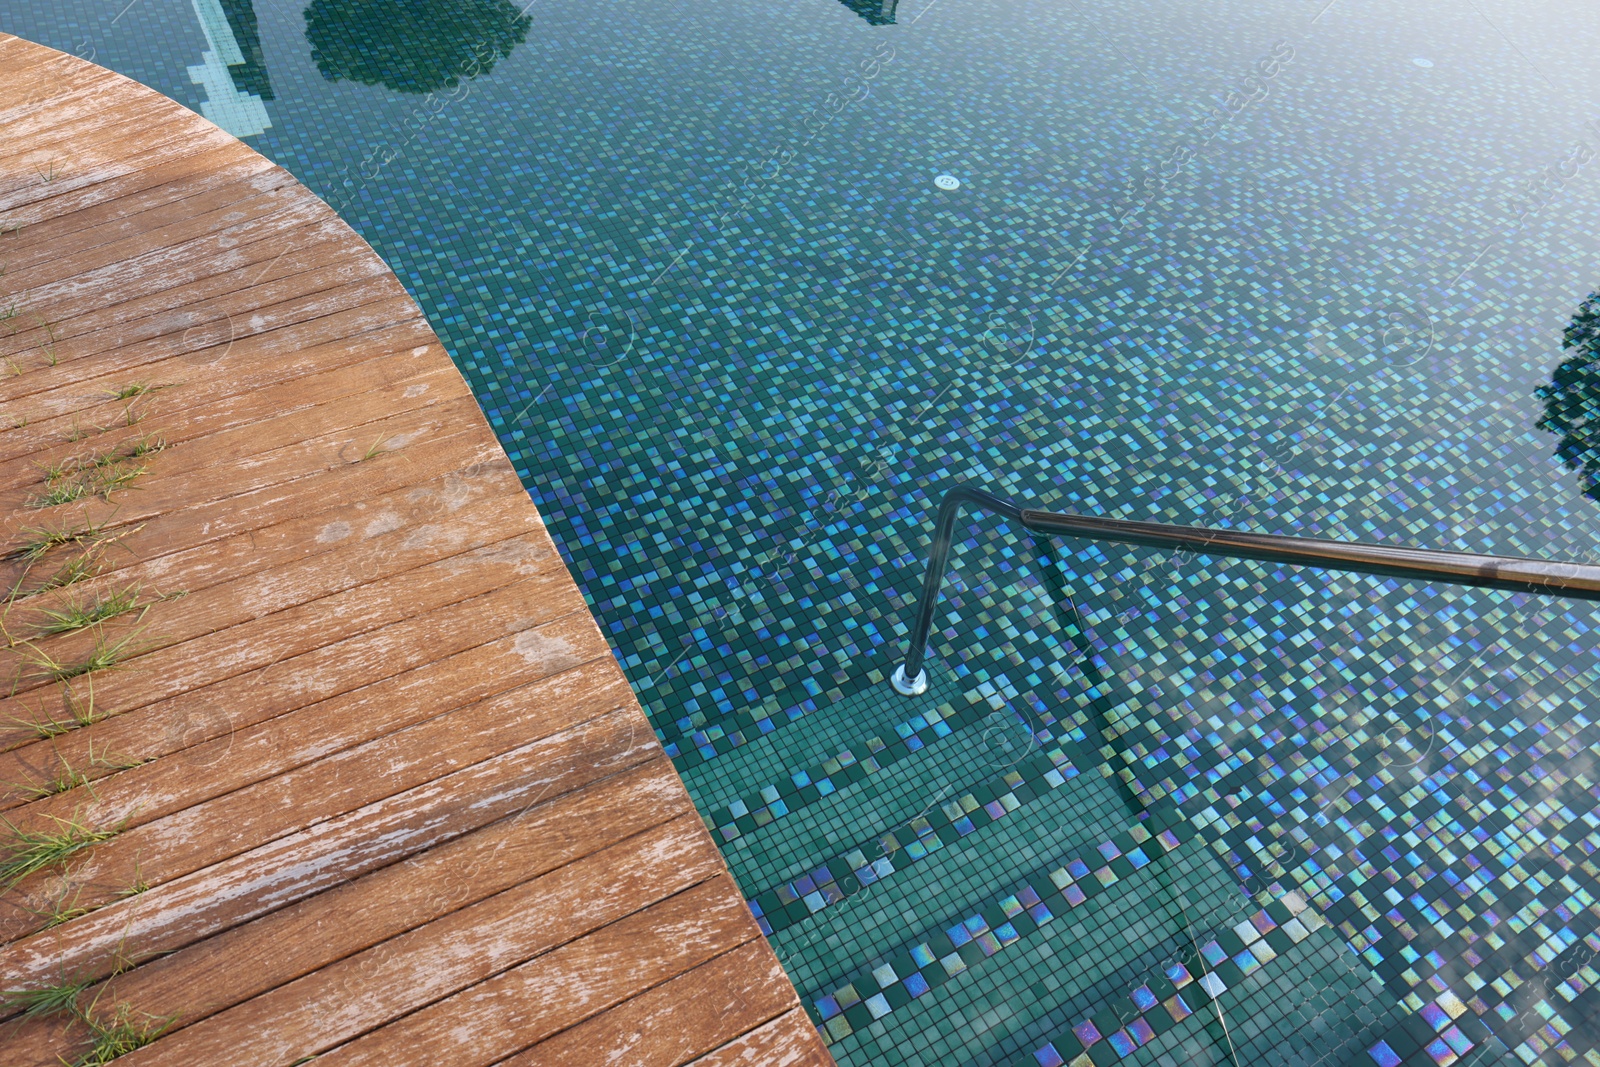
[1296, 266]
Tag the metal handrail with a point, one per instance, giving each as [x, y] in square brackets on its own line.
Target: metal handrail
[1577, 580]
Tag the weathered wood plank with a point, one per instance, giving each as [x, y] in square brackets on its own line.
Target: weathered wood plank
[202, 336]
[304, 263]
[301, 865]
[102, 163]
[787, 1041]
[393, 547]
[192, 838]
[678, 1020]
[165, 167]
[556, 988]
[256, 957]
[196, 404]
[420, 421]
[59, 241]
[203, 690]
[116, 214]
[23, 478]
[564, 987]
[436, 483]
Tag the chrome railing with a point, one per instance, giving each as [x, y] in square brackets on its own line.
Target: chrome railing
[1579, 581]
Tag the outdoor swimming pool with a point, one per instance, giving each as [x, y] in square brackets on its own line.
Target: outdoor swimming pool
[1297, 266]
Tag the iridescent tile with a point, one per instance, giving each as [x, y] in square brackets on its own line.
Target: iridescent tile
[1122, 1044]
[1383, 1055]
[1458, 1041]
[1144, 998]
[1441, 1053]
[1048, 1057]
[1086, 1032]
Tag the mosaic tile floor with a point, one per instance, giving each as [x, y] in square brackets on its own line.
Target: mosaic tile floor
[1301, 266]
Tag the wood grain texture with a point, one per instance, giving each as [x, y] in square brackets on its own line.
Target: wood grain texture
[363, 777]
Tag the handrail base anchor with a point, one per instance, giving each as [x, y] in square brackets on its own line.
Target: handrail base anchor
[909, 687]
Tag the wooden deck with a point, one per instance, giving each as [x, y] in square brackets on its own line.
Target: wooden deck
[328, 758]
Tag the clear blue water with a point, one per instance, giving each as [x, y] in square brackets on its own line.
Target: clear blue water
[1292, 266]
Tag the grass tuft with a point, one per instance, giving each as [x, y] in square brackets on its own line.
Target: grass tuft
[80, 615]
[78, 714]
[137, 389]
[70, 777]
[79, 568]
[30, 851]
[97, 473]
[137, 886]
[63, 909]
[38, 540]
[61, 493]
[107, 655]
[148, 445]
[78, 433]
[110, 1038]
[47, 1002]
[119, 1035]
[114, 479]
